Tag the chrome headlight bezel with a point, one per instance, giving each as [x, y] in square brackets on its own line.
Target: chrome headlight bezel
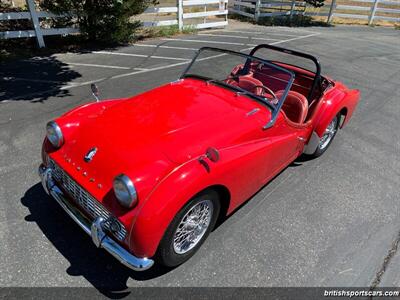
[54, 134]
[125, 191]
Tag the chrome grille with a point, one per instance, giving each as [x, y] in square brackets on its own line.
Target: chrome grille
[92, 207]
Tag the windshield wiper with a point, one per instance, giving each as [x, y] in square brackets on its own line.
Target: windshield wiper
[242, 92]
[214, 81]
[247, 93]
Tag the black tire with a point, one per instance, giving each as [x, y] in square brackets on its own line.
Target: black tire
[166, 254]
[321, 150]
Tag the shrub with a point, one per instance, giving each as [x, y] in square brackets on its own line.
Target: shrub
[10, 25]
[315, 3]
[12, 47]
[106, 21]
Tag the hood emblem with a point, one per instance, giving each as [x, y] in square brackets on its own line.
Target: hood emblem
[89, 156]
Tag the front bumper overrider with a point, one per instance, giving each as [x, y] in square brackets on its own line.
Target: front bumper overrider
[93, 228]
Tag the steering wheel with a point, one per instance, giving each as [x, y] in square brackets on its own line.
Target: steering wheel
[233, 77]
[264, 89]
[269, 91]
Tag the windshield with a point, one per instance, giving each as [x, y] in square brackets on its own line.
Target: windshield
[243, 74]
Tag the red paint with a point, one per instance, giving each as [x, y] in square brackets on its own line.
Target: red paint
[157, 137]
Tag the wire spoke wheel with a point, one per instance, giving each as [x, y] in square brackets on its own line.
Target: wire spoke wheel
[329, 133]
[193, 226]
[189, 229]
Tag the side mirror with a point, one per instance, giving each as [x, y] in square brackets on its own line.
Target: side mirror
[95, 91]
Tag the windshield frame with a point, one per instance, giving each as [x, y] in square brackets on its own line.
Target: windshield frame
[274, 109]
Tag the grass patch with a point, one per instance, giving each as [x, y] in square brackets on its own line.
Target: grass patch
[162, 31]
[295, 21]
[189, 29]
[241, 18]
[165, 31]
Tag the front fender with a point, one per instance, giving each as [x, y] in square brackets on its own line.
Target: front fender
[164, 202]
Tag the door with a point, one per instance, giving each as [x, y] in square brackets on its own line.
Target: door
[286, 144]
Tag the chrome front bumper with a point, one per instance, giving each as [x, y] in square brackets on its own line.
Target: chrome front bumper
[95, 228]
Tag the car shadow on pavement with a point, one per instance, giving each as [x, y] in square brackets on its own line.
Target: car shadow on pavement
[99, 268]
[304, 158]
[35, 79]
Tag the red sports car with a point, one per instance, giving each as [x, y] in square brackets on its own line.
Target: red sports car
[149, 176]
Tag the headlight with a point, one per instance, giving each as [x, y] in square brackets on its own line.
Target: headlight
[54, 134]
[125, 191]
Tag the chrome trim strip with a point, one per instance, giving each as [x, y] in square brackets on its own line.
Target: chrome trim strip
[44, 175]
[94, 229]
[252, 112]
[312, 144]
[342, 119]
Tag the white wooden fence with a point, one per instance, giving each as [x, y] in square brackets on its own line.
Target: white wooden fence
[214, 13]
[182, 18]
[37, 31]
[176, 15]
[256, 8]
[152, 12]
[370, 10]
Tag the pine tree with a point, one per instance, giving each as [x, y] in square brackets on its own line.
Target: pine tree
[102, 20]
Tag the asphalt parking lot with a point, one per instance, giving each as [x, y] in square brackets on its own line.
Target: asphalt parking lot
[324, 222]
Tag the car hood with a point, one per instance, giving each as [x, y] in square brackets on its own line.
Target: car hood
[147, 136]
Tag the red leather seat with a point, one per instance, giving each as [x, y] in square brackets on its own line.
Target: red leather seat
[295, 106]
[236, 69]
[247, 83]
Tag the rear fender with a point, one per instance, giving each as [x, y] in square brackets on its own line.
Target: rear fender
[338, 101]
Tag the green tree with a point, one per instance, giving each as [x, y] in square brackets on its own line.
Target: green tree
[102, 20]
[315, 3]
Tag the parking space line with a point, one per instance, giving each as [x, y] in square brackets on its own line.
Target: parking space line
[30, 80]
[205, 58]
[139, 55]
[253, 32]
[164, 67]
[149, 70]
[172, 58]
[205, 41]
[165, 47]
[295, 38]
[98, 66]
[141, 69]
[106, 66]
[293, 30]
[74, 85]
[287, 40]
[237, 37]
